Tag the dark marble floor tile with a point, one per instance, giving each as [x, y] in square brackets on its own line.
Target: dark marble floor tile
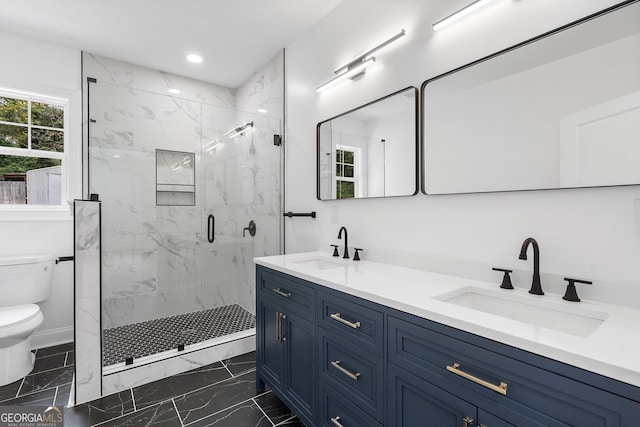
[100, 410]
[43, 397]
[246, 414]
[210, 400]
[47, 379]
[10, 390]
[292, 422]
[46, 363]
[179, 384]
[71, 358]
[241, 364]
[56, 349]
[273, 407]
[160, 415]
[62, 398]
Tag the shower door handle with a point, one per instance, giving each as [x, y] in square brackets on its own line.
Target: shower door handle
[211, 223]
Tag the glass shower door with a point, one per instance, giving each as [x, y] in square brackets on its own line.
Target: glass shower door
[242, 212]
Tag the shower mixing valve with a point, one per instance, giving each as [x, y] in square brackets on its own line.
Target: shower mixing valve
[251, 228]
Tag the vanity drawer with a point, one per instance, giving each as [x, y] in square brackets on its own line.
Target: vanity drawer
[360, 325]
[288, 291]
[336, 410]
[475, 374]
[352, 372]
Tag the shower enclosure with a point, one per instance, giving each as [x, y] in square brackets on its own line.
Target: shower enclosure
[180, 181]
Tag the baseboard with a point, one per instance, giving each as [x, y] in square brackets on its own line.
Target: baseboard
[43, 339]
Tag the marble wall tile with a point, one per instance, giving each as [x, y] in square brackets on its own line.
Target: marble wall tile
[87, 246]
[264, 90]
[125, 74]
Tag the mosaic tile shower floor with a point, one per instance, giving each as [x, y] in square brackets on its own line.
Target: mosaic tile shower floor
[155, 336]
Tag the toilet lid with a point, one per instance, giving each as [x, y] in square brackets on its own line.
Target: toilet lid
[17, 314]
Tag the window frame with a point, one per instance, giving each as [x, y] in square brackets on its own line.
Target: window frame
[71, 170]
[357, 153]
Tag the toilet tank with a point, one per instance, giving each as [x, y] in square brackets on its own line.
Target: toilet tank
[25, 279]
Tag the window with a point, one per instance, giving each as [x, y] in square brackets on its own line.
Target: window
[346, 181]
[32, 149]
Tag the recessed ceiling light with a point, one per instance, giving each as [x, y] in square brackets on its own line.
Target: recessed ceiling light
[174, 91]
[262, 110]
[196, 59]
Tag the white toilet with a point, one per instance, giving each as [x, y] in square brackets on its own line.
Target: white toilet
[24, 281]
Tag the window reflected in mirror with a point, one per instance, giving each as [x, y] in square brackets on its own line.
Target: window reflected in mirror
[370, 151]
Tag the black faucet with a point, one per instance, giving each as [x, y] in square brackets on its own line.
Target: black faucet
[346, 245]
[536, 287]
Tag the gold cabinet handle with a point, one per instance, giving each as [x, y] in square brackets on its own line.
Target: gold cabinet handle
[336, 316]
[351, 375]
[278, 327]
[282, 294]
[336, 422]
[502, 388]
[467, 421]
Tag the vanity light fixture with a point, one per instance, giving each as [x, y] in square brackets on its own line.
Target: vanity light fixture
[356, 67]
[471, 7]
[232, 133]
[196, 59]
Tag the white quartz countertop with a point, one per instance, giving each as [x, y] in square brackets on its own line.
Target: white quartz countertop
[612, 349]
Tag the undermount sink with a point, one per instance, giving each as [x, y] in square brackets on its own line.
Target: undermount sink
[318, 263]
[532, 310]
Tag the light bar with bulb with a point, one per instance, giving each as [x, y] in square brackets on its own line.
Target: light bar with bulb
[357, 65]
[347, 75]
[460, 13]
[237, 131]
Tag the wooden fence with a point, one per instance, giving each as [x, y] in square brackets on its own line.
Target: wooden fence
[13, 192]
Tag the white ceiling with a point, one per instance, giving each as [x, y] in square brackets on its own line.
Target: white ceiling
[235, 37]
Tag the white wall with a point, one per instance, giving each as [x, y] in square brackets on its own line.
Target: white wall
[590, 233]
[45, 68]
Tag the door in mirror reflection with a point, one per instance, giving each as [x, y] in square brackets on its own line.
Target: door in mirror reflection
[370, 151]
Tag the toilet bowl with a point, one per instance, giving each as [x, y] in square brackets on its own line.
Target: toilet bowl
[23, 282]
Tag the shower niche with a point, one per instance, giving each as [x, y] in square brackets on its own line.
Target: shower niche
[175, 178]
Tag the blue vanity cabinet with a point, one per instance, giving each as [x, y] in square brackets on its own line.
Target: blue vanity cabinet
[286, 341]
[339, 360]
[417, 402]
[538, 392]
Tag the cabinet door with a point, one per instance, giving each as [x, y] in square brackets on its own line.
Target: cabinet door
[414, 402]
[299, 336]
[270, 347]
[486, 419]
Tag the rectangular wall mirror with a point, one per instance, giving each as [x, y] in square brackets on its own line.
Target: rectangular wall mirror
[559, 111]
[370, 151]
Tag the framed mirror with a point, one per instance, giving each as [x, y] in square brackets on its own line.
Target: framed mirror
[370, 151]
[559, 111]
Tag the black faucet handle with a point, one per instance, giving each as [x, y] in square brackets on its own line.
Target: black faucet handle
[571, 294]
[506, 279]
[356, 257]
[335, 250]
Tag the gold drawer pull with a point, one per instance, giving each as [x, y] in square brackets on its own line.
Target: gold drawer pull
[502, 388]
[351, 375]
[282, 294]
[336, 316]
[336, 422]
